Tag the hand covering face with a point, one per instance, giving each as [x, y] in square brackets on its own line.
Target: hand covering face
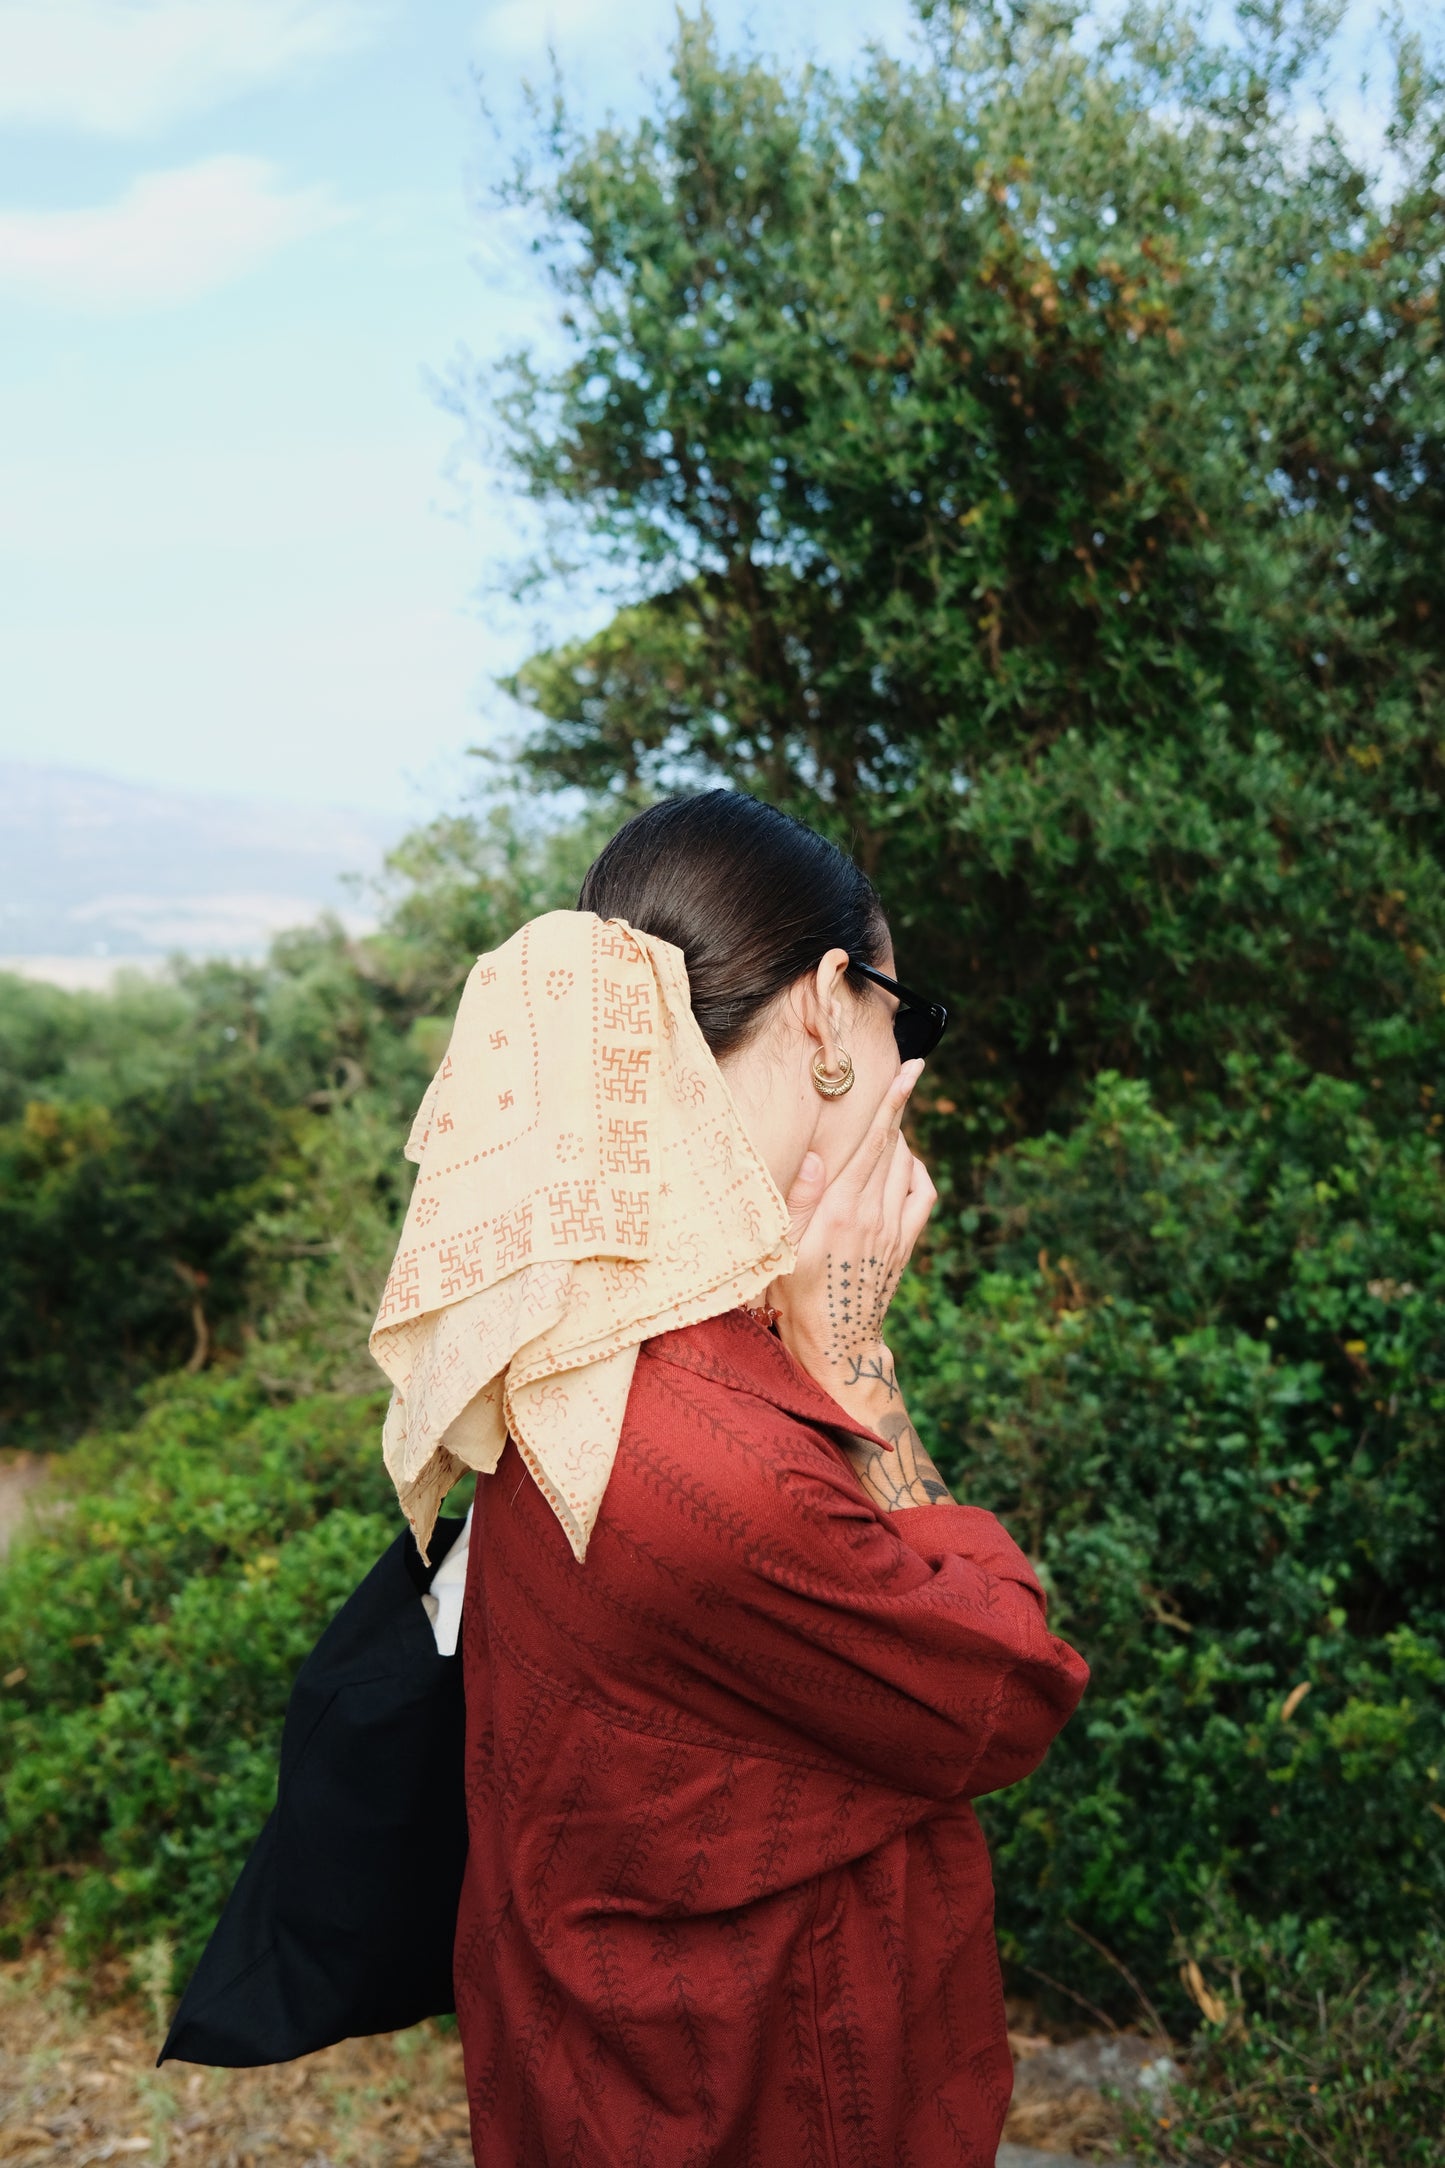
[584, 1183]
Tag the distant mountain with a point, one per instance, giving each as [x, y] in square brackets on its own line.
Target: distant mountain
[95, 872]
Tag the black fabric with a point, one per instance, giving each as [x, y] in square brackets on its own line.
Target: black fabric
[343, 1918]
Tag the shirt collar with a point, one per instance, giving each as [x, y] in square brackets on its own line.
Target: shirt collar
[737, 1349]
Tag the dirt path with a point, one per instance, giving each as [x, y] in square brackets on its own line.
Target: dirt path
[77, 2090]
[19, 1476]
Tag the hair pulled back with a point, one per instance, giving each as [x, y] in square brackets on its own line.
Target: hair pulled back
[751, 897]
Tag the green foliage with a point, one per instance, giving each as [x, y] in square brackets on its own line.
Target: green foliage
[148, 1637]
[116, 1223]
[101, 1044]
[1308, 2059]
[1025, 464]
[464, 885]
[187, 1167]
[1202, 1377]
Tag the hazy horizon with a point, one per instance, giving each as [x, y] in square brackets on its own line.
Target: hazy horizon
[98, 873]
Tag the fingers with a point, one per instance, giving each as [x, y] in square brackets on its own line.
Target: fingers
[908, 1198]
[805, 1195]
[897, 1180]
[871, 1158]
[917, 1205]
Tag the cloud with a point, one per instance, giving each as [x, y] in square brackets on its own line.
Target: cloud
[522, 26]
[170, 235]
[124, 67]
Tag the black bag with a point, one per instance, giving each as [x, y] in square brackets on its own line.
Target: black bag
[343, 1919]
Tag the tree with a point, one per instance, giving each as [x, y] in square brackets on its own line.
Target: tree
[191, 1167]
[1026, 464]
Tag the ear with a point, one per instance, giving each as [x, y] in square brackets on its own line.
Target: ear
[822, 992]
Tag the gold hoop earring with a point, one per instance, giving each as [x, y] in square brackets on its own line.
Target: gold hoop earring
[832, 1083]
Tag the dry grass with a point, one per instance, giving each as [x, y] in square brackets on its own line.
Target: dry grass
[77, 2088]
[79, 2085]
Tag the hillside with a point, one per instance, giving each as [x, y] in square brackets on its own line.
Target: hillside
[94, 870]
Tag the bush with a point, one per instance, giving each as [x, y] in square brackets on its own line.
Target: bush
[1201, 1375]
[182, 1165]
[1307, 2058]
[149, 1633]
[119, 1234]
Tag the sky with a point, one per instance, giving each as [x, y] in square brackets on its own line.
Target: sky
[239, 241]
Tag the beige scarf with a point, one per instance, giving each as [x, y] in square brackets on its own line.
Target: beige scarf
[584, 1183]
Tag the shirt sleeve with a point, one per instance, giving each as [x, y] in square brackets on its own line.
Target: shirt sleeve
[912, 1644]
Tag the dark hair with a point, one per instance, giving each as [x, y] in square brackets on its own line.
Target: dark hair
[751, 897]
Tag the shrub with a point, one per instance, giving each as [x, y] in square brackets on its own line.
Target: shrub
[1307, 2058]
[182, 1164]
[149, 1633]
[119, 1227]
[1201, 1375]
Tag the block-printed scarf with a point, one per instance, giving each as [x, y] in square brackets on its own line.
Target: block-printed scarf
[584, 1182]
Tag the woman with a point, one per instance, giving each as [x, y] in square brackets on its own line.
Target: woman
[735, 1660]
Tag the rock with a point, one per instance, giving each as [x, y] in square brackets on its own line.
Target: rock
[1029, 2156]
[1067, 2093]
[1125, 2061]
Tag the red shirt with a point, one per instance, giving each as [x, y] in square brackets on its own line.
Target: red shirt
[726, 1900]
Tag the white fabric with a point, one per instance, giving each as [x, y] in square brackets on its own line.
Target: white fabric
[443, 1601]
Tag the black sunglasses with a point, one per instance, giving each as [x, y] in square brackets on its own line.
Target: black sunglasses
[917, 1024]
